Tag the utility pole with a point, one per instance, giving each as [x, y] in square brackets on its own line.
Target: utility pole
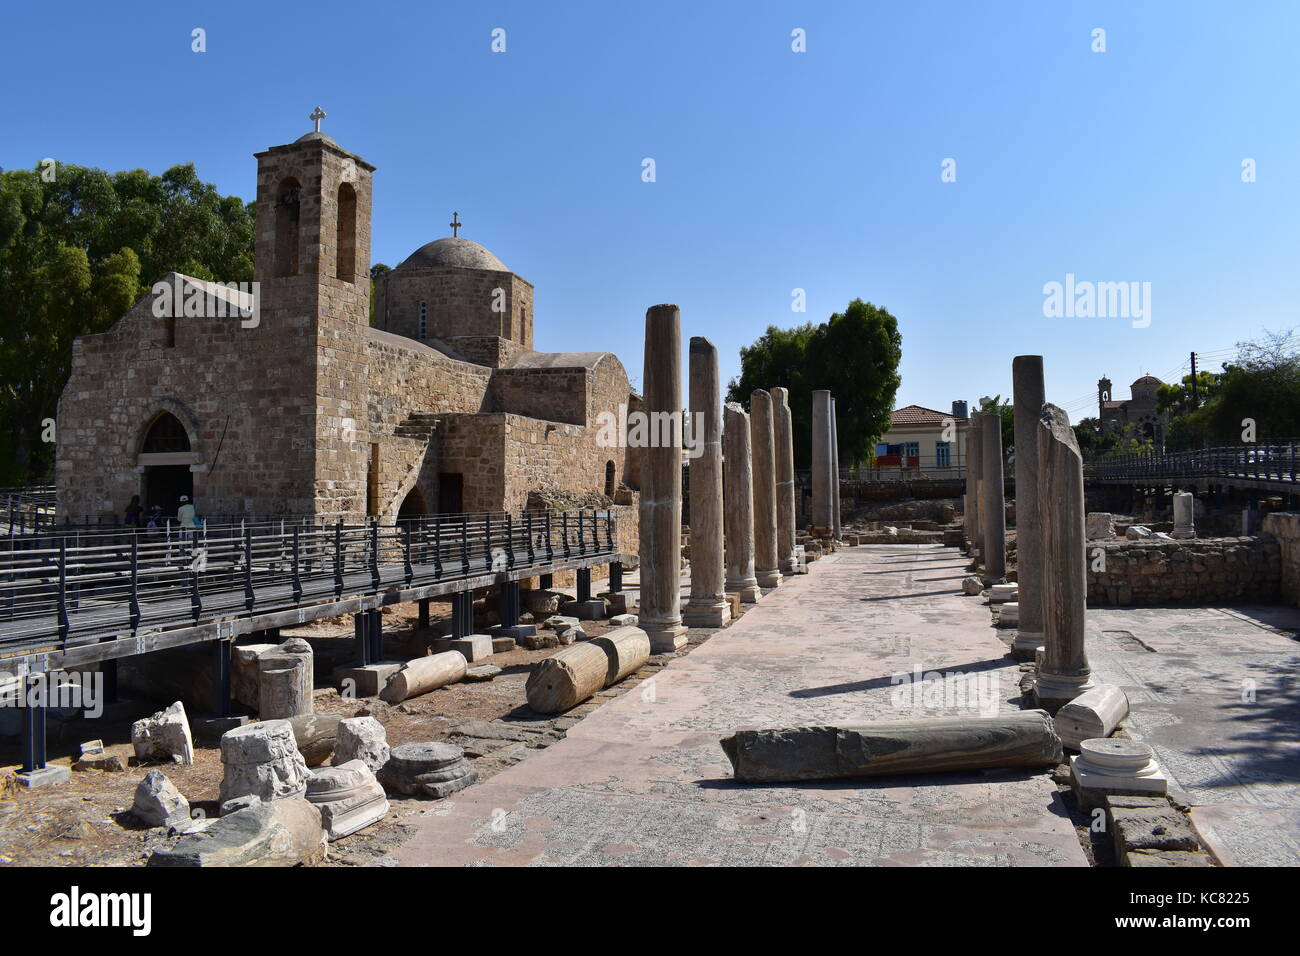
[1196, 392]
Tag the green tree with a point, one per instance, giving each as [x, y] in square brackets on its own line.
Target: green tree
[1006, 413]
[779, 358]
[1093, 441]
[1260, 385]
[77, 248]
[854, 354]
[1181, 398]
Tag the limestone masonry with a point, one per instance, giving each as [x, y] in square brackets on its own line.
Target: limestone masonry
[442, 406]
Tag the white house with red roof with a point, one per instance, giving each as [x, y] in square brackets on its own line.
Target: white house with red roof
[924, 442]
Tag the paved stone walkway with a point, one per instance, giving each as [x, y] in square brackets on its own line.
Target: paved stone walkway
[643, 781]
[1213, 691]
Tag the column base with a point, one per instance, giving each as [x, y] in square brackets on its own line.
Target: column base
[665, 640]
[790, 566]
[1053, 690]
[768, 579]
[1025, 644]
[1182, 534]
[747, 589]
[707, 613]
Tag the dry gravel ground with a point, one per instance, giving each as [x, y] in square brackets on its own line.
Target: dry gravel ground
[86, 822]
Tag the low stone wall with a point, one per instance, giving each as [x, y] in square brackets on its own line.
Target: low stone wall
[1285, 527]
[1196, 571]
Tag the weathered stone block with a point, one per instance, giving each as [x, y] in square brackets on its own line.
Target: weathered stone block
[165, 736]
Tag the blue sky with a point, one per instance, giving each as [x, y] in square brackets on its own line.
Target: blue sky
[775, 170]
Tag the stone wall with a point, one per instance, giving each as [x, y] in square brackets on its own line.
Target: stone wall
[550, 394]
[237, 391]
[1285, 527]
[310, 409]
[458, 302]
[1197, 571]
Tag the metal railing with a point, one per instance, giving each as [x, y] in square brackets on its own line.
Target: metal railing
[73, 588]
[911, 468]
[1273, 462]
[26, 509]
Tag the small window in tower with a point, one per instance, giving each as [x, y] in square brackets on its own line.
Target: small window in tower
[372, 482]
[609, 479]
[286, 228]
[169, 331]
[424, 321]
[345, 249]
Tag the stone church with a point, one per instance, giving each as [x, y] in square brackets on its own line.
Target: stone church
[442, 407]
[1140, 411]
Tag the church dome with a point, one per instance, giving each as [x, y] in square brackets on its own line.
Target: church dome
[317, 137]
[1145, 387]
[453, 253]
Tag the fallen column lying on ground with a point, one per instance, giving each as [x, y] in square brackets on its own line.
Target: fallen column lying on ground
[569, 677]
[279, 833]
[423, 674]
[1093, 714]
[1024, 739]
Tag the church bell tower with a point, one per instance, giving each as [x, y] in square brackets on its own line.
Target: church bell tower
[313, 270]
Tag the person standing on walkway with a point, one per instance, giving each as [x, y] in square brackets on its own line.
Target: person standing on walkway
[135, 513]
[188, 519]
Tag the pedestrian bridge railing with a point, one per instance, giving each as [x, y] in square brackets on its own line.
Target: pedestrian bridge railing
[65, 589]
[1275, 463]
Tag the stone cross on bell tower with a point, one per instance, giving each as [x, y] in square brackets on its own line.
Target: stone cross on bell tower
[316, 116]
[455, 224]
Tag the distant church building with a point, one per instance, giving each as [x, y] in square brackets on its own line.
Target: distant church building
[443, 406]
[1140, 411]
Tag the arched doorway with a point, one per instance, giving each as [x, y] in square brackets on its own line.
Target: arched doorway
[413, 505]
[166, 456]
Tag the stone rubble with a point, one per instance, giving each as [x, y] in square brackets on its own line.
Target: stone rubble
[427, 770]
[348, 797]
[164, 737]
[364, 739]
[158, 803]
[262, 760]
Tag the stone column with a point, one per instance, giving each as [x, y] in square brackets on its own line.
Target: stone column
[835, 472]
[661, 484]
[1063, 672]
[971, 498]
[708, 605]
[976, 467]
[1184, 514]
[1027, 384]
[823, 518]
[738, 493]
[761, 435]
[992, 504]
[784, 452]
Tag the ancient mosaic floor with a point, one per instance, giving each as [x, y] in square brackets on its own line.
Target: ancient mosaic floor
[1213, 691]
[643, 780]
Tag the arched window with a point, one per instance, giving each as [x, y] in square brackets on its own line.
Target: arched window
[346, 247]
[286, 228]
[166, 434]
[609, 479]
